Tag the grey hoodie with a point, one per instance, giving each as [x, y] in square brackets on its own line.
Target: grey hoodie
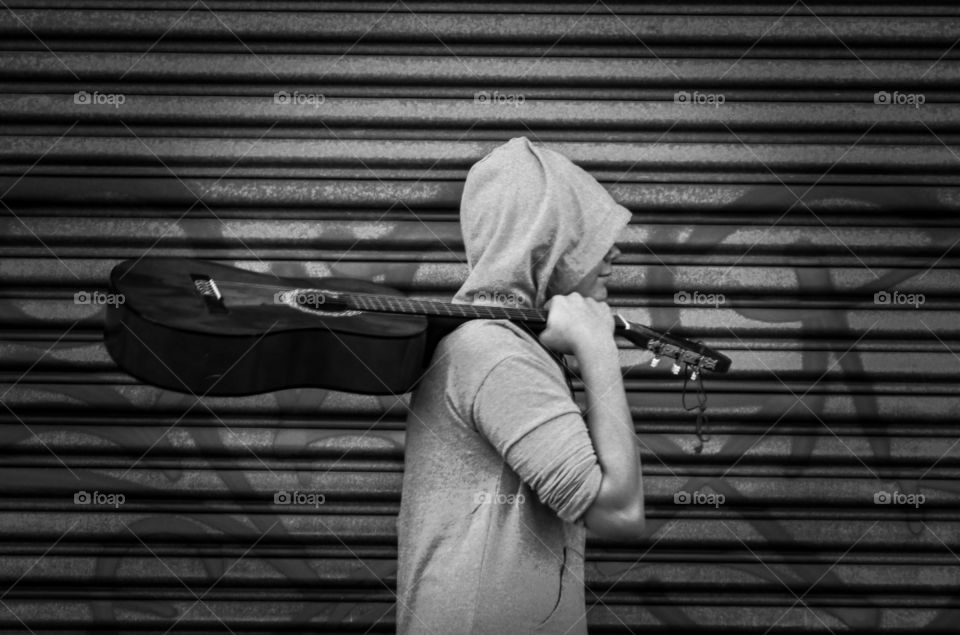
[533, 223]
[499, 465]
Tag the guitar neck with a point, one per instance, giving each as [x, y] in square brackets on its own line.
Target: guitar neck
[461, 312]
[688, 355]
[692, 354]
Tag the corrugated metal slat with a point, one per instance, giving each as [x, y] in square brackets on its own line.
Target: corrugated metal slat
[798, 199]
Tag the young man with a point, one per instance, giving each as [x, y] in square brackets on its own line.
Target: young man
[503, 473]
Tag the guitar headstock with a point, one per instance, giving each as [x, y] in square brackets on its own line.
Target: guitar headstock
[687, 355]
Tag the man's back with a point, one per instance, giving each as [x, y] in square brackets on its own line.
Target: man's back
[479, 551]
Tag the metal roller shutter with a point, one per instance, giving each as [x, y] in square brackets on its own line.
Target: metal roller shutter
[780, 214]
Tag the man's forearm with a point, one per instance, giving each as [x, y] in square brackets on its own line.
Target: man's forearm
[610, 425]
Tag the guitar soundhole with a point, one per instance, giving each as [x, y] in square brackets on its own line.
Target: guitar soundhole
[309, 301]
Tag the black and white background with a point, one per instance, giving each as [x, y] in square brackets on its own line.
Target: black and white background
[792, 168]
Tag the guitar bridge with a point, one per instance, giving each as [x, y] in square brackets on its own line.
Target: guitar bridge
[208, 290]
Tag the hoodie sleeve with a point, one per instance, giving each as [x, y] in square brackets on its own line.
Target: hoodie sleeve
[524, 410]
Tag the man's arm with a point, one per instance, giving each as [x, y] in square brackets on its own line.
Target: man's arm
[584, 327]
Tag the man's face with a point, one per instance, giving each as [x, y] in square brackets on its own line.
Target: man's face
[594, 284]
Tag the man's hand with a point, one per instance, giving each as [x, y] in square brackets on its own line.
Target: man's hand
[577, 324]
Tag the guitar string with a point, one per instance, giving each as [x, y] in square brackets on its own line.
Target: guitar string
[528, 314]
[532, 315]
[701, 394]
[446, 309]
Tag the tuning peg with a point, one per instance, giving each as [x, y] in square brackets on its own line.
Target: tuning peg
[654, 362]
[675, 369]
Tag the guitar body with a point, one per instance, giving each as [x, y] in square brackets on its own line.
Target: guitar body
[172, 331]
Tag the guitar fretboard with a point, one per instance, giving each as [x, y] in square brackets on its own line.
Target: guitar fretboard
[693, 354]
[396, 304]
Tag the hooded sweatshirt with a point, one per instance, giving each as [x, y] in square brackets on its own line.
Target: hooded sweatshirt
[499, 465]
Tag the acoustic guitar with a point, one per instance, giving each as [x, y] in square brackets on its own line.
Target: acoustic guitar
[204, 328]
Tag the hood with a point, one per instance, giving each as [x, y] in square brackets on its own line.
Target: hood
[534, 224]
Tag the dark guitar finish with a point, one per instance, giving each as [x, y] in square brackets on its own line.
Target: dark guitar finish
[166, 334]
[209, 329]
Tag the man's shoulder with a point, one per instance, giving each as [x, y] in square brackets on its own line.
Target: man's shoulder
[483, 351]
[485, 343]
[491, 336]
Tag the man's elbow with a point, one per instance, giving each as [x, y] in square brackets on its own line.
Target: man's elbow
[617, 524]
[628, 524]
